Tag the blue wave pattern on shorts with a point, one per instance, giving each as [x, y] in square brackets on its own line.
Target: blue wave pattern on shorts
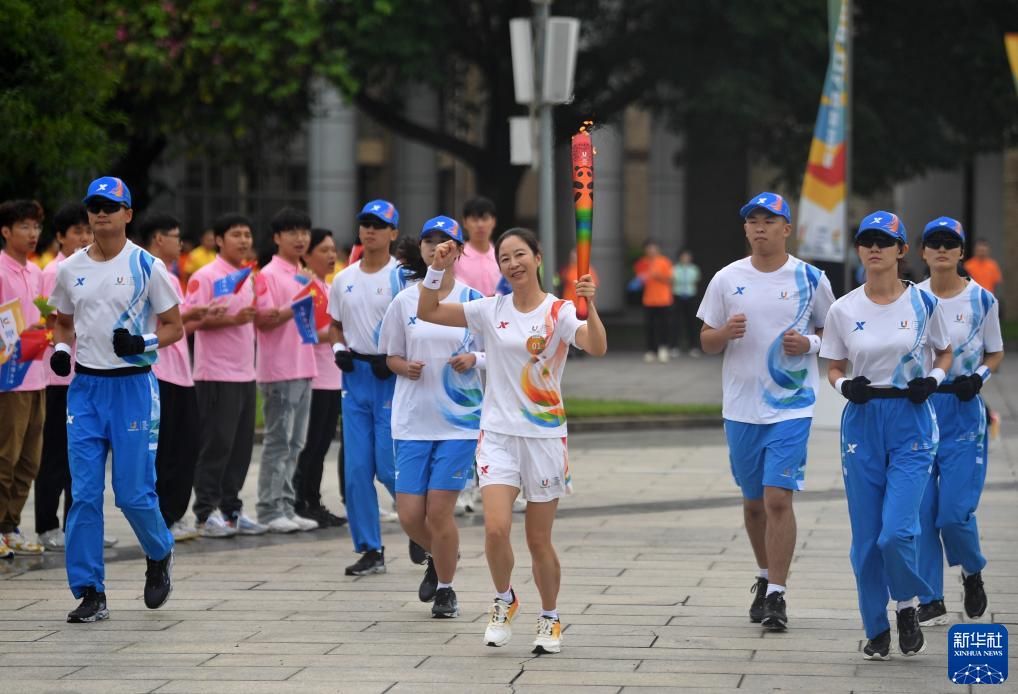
[911, 364]
[791, 373]
[137, 318]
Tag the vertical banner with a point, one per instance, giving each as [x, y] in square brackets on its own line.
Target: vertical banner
[821, 228]
[1011, 46]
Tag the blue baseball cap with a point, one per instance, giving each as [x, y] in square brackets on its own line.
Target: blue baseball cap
[382, 210]
[948, 225]
[771, 203]
[447, 225]
[884, 221]
[110, 188]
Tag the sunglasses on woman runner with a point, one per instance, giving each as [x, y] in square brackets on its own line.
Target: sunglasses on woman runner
[869, 239]
[945, 241]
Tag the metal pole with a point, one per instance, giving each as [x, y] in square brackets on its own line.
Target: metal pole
[546, 178]
[849, 76]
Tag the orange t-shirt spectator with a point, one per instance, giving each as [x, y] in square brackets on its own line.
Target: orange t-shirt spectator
[657, 279]
[568, 278]
[984, 269]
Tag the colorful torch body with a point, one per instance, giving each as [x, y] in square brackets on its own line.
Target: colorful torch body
[583, 201]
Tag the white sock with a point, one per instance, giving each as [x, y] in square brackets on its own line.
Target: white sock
[774, 588]
[553, 614]
[763, 573]
[905, 604]
[441, 585]
[508, 597]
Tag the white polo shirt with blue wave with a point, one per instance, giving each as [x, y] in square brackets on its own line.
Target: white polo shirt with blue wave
[973, 322]
[761, 384]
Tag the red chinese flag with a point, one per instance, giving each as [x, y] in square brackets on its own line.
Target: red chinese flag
[320, 301]
[34, 342]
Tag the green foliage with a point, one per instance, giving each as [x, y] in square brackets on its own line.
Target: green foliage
[53, 116]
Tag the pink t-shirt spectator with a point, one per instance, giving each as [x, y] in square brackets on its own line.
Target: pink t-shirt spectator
[174, 364]
[329, 376]
[281, 354]
[478, 270]
[24, 283]
[224, 354]
[49, 280]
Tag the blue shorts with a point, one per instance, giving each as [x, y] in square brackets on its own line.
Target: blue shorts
[768, 455]
[441, 465]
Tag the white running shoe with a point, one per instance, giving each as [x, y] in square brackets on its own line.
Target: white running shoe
[303, 523]
[109, 541]
[662, 355]
[53, 540]
[549, 635]
[183, 532]
[499, 629]
[282, 525]
[21, 544]
[215, 526]
[387, 516]
[244, 525]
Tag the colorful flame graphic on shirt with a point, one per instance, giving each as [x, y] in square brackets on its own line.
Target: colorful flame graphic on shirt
[538, 380]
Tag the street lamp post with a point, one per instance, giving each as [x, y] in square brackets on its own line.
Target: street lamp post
[546, 178]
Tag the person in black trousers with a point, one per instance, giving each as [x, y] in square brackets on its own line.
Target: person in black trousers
[178, 401]
[326, 392]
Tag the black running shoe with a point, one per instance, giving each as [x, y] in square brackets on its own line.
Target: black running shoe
[446, 606]
[910, 635]
[429, 584]
[418, 555]
[157, 581]
[328, 519]
[975, 595]
[932, 614]
[371, 562]
[775, 618]
[756, 610]
[91, 609]
[879, 647]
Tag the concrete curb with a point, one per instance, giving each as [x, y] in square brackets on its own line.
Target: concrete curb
[587, 425]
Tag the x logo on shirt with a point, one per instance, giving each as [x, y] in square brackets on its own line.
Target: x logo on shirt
[739, 290]
[413, 320]
[349, 289]
[502, 324]
[79, 282]
[859, 324]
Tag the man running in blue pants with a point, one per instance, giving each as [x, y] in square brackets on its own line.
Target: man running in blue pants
[358, 299]
[108, 298]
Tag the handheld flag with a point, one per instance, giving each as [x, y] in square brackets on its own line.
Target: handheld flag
[34, 342]
[231, 284]
[321, 304]
[13, 371]
[12, 324]
[304, 316]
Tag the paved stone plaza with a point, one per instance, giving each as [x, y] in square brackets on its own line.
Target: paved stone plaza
[656, 578]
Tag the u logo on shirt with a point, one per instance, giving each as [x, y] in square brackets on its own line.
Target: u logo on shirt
[783, 295]
[904, 325]
[960, 318]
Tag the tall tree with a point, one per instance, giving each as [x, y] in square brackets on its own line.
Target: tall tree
[227, 77]
[461, 48]
[55, 85]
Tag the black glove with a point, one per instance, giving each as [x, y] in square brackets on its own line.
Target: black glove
[968, 387]
[344, 360]
[60, 362]
[857, 390]
[125, 344]
[921, 388]
[380, 368]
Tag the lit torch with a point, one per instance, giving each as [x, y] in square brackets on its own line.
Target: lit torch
[583, 201]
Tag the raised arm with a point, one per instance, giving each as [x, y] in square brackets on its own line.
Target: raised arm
[428, 307]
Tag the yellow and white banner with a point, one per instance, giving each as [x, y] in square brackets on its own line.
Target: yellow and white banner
[1011, 46]
[820, 231]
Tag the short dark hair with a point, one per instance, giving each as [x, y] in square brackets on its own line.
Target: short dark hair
[227, 221]
[478, 207]
[318, 234]
[290, 218]
[69, 215]
[155, 223]
[14, 211]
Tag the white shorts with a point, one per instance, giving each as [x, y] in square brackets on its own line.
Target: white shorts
[539, 468]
